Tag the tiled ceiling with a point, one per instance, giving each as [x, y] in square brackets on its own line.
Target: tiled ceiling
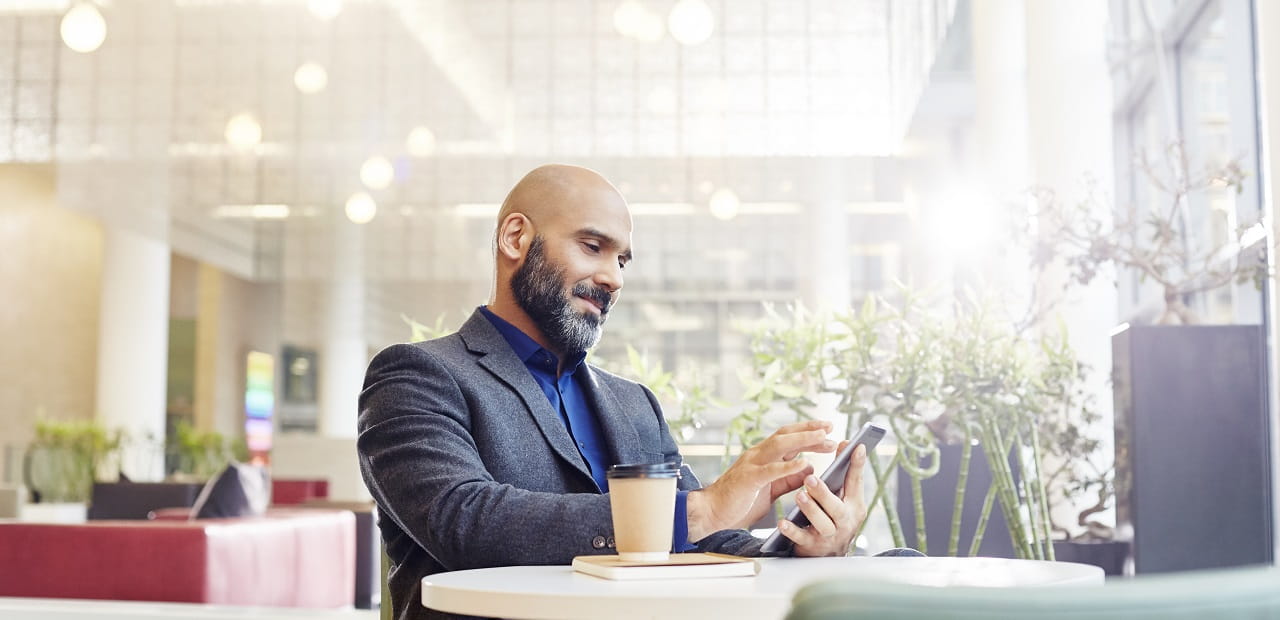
[500, 84]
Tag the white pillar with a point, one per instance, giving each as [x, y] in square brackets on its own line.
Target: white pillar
[1069, 110]
[999, 83]
[1267, 20]
[133, 343]
[825, 280]
[345, 356]
[997, 154]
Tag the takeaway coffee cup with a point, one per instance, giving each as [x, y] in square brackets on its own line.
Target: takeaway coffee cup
[643, 498]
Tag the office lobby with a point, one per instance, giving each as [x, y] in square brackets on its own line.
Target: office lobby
[1032, 239]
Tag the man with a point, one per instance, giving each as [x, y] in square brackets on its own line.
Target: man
[489, 447]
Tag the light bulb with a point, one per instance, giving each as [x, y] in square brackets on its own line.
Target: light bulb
[724, 204]
[377, 172]
[324, 9]
[243, 131]
[310, 78]
[421, 142]
[83, 28]
[649, 28]
[361, 208]
[691, 22]
[626, 16]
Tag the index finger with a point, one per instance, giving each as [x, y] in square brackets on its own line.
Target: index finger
[779, 445]
[807, 425]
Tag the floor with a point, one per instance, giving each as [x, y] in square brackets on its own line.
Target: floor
[68, 609]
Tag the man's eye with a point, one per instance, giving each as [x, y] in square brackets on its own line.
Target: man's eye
[593, 248]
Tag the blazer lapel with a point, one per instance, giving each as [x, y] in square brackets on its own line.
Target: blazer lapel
[482, 337]
[614, 421]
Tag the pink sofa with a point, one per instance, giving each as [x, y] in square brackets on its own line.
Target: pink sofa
[298, 490]
[288, 558]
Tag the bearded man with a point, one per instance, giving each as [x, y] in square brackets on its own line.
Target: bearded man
[489, 447]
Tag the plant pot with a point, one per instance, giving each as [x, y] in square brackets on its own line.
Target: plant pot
[1109, 555]
[54, 512]
[1193, 470]
[939, 493]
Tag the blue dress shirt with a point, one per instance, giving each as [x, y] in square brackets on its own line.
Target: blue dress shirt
[565, 394]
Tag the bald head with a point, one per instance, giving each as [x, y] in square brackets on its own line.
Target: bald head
[559, 191]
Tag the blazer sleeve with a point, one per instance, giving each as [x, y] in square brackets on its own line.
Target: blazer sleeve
[421, 464]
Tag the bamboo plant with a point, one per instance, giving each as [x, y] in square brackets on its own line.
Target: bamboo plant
[966, 377]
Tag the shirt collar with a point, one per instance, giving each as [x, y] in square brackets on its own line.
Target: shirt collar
[527, 348]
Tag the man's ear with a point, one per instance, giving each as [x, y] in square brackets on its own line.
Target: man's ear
[515, 233]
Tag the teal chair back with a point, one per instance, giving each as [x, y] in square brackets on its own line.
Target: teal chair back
[1229, 594]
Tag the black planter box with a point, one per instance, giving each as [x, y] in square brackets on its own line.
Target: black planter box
[1193, 471]
[1109, 555]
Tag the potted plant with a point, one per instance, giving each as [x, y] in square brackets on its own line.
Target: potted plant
[950, 385]
[62, 462]
[1186, 394]
[1079, 479]
[199, 455]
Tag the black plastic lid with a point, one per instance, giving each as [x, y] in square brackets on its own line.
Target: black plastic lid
[645, 470]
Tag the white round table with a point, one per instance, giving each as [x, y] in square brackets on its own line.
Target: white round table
[559, 592]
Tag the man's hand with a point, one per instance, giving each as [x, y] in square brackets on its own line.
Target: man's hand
[832, 519]
[747, 490]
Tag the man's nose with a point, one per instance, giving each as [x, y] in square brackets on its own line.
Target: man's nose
[610, 278]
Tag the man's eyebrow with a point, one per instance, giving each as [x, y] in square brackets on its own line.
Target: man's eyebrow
[605, 239]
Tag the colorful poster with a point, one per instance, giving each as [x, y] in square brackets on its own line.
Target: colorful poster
[259, 406]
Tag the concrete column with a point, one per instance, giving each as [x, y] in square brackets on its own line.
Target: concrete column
[1069, 110]
[133, 341]
[1267, 20]
[345, 356]
[999, 80]
[996, 158]
[825, 279]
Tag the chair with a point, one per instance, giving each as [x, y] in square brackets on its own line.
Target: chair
[1226, 594]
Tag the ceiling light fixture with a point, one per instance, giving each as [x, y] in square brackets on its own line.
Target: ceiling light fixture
[724, 204]
[243, 131]
[324, 9]
[691, 22]
[631, 19]
[310, 78]
[421, 142]
[83, 29]
[625, 17]
[650, 28]
[361, 208]
[377, 172]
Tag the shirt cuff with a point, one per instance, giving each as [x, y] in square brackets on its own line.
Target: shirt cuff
[680, 533]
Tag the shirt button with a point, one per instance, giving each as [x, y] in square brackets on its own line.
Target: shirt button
[598, 542]
[610, 542]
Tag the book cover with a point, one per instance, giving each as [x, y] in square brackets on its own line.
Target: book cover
[677, 566]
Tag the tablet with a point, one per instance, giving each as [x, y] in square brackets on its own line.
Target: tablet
[869, 435]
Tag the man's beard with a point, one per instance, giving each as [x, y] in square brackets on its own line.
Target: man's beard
[539, 290]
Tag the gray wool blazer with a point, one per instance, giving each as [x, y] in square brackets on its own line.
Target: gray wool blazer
[471, 467]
